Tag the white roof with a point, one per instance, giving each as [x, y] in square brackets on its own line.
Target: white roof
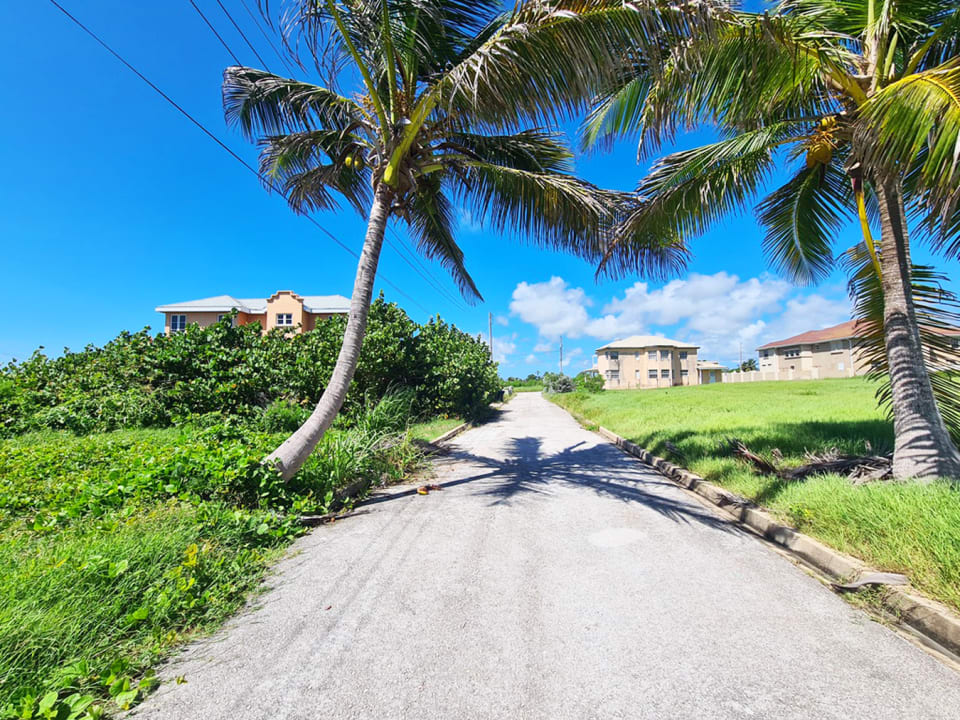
[326, 303]
[709, 365]
[644, 341]
[257, 306]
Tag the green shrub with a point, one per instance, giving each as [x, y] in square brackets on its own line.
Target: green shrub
[556, 383]
[283, 416]
[114, 548]
[589, 382]
[141, 380]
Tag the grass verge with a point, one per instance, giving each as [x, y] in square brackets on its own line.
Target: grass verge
[901, 527]
[115, 548]
[433, 428]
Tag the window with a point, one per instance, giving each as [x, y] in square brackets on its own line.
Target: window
[836, 345]
[792, 352]
[766, 353]
[636, 355]
[683, 355]
[613, 375]
[178, 323]
[636, 374]
[652, 374]
[664, 354]
[220, 318]
[652, 355]
[684, 373]
[284, 319]
[665, 373]
[613, 356]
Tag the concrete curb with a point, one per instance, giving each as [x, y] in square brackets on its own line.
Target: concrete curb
[935, 622]
[450, 434]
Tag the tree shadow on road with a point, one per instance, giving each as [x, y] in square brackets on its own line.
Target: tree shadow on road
[529, 472]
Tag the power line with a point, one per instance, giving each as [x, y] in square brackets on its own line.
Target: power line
[399, 247]
[243, 35]
[410, 258]
[219, 142]
[266, 37]
[209, 25]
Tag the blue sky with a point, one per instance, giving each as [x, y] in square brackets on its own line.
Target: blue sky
[112, 203]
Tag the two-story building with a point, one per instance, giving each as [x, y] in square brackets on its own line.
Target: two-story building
[647, 361]
[284, 309]
[828, 353]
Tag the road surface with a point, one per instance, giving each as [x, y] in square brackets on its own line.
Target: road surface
[553, 577]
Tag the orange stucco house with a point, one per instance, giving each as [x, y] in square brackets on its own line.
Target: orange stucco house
[284, 309]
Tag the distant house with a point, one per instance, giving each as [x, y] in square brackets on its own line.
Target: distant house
[709, 372]
[829, 353]
[285, 309]
[646, 361]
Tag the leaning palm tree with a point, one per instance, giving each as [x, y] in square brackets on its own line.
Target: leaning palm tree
[434, 122]
[860, 101]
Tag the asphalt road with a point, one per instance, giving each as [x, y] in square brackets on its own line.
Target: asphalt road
[553, 577]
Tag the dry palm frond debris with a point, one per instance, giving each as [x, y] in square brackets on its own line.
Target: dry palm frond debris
[858, 468]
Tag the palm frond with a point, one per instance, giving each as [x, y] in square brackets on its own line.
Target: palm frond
[547, 59]
[261, 103]
[309, 164]
[534, 150]
[618, 111]
[686, 192]
[913, 118]
[801, 219]
[938, 317]
[431, 217]
[746, 76]
[548, 209]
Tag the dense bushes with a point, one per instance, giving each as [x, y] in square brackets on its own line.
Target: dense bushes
[556, 383]
[116, 547]
[141, 380]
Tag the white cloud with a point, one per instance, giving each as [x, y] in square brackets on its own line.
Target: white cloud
[553, 307]
[719, 303]
[501, 320]
[530, 359]
[502, 350]
[719, 312]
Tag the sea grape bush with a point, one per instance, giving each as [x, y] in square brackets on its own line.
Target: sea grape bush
[145, 380]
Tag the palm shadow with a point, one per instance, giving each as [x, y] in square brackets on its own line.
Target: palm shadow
[529, 472]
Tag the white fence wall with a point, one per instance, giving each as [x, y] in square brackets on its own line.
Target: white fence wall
[761, 376]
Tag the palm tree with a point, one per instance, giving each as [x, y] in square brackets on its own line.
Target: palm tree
[860, 100]
[433, 123]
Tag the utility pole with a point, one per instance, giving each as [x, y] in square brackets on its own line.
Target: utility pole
[561, 354]
[490, 332]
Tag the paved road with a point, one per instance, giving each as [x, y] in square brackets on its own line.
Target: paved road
[553, 577]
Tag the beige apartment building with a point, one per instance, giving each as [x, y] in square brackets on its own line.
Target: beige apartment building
[829, 353]
[646, 361]
[285, 309]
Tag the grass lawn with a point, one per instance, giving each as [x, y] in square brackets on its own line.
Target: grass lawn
[909, 528]
[433, 428]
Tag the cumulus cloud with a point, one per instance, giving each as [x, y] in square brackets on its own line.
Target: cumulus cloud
[553, 307]
[719, 312]
[502, 320]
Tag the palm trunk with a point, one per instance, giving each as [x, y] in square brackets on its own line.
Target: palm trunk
[295, 450]
[922, 445]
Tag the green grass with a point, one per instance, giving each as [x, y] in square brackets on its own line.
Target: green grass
[527, 387]
[115, 548]
[433, 429]
[909, 528]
